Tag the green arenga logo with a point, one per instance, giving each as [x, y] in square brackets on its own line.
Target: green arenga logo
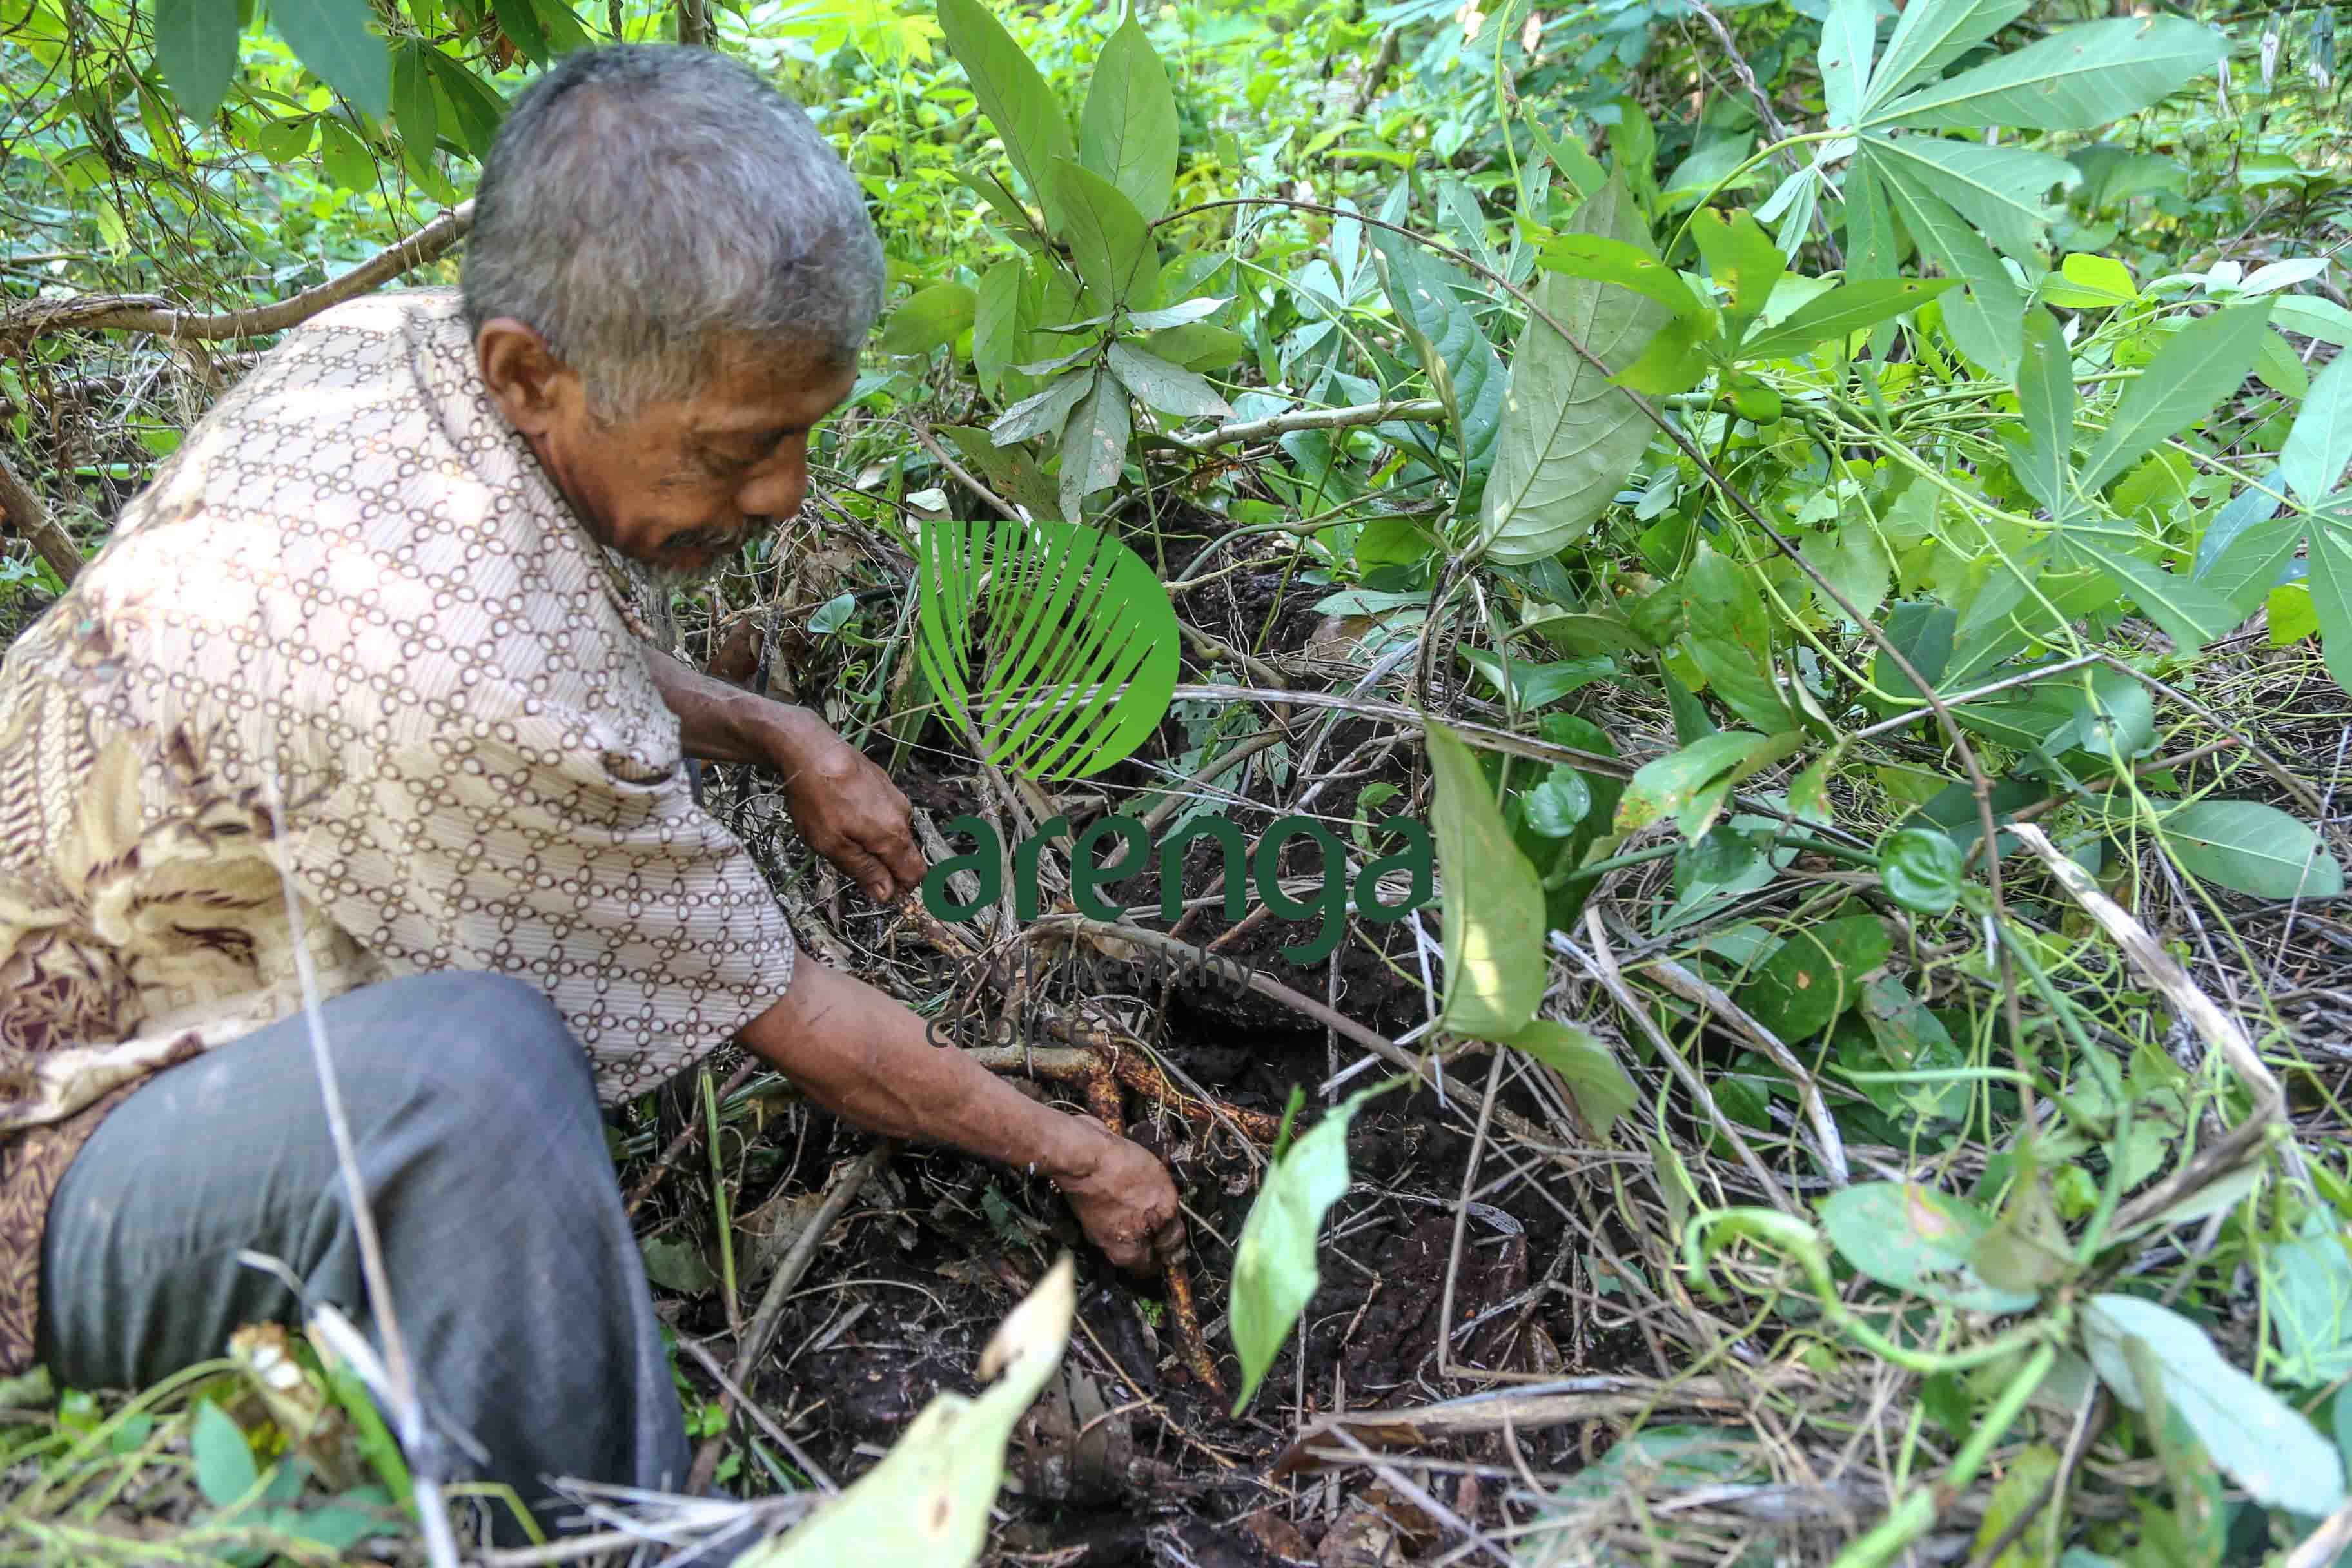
[1052, 645]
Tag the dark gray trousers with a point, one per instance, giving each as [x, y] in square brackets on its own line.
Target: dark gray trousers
[516, 1280]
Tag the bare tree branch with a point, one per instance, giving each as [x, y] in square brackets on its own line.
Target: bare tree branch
[150, 313]
[22, 512]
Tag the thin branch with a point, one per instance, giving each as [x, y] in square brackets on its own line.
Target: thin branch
[1240, 432]
[149, 313]
[21, 511]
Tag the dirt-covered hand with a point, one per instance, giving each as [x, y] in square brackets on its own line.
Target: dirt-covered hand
[844, 806]
[1128, 1205]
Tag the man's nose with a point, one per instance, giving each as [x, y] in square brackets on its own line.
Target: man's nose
[777, 493]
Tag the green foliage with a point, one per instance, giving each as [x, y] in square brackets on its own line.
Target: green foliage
[1274, 1273]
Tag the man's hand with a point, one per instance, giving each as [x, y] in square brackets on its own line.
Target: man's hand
[844, 806]
[1129, 1207]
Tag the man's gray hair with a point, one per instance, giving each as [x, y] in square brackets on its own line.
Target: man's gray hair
[647, 210]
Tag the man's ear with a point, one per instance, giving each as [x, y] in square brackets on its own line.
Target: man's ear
[527, 382]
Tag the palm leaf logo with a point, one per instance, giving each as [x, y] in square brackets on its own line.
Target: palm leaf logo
[1053, 645]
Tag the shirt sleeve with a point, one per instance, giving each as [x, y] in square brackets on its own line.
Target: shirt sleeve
[507, 835]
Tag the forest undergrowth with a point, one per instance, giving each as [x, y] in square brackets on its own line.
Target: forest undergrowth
[1723, 469]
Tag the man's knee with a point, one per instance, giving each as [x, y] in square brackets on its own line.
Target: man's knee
[480, 1046]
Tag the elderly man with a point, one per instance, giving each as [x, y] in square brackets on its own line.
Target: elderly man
[351, 707]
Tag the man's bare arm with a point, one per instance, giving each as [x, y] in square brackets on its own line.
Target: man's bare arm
[866, 1058]
[846, 807]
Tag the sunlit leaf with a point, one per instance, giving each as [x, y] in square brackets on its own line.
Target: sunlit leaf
[1128, 132]
[1494, 906]
[1273, 1263]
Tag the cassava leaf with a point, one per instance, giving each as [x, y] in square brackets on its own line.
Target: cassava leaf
[1930, 37]
[2205, 362]
[2083, 76]
[2320, 443]
[1848, 309]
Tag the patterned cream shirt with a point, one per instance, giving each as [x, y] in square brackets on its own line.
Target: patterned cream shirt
[350, 631]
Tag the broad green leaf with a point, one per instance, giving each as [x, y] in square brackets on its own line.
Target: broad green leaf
[2242, 554]
[1052, 646]
[1273, 1263]
[346, 157]
[2205, 362]
[2081, 77]
[1043, 411]
[2191, 614]
[476, 104]
[1026, 114]
[1198, 345]
[283, 140]
[2320, 444]
[2253, 1435]
[1494, 906]
[1170, 389]
[1557, 807]
[1675, 361]
[2313, 317]
[2308, 1286]
[1815, 975]
[1916, 1239]
[195, 43]
[1094, 442]
[1569, 439]
[1110, 244]
[525, 24]
[1730, 640]
[1461, 364]
[1173, 315]
[2291, 613]
[1742, 258]
[1691, 784]
[1848, 34]
[414, 105]
[1592, 1072]
[1628, 265]
[1985, 321]
[2000, 190]
[1933, 34]
[2330, 580]
[1856, 564]
[2253, 849]
[933, 319]
[1848, 309]
[225, 1468]
[2045, 399]
[333, 39]
[928, 1499]
[1922, 870]
[997, 340]
[1532, 685]
[2085, 282]
[1128, 132]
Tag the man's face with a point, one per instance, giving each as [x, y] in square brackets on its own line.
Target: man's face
[680, 487]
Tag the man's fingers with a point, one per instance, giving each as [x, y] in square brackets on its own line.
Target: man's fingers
[906, 860]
